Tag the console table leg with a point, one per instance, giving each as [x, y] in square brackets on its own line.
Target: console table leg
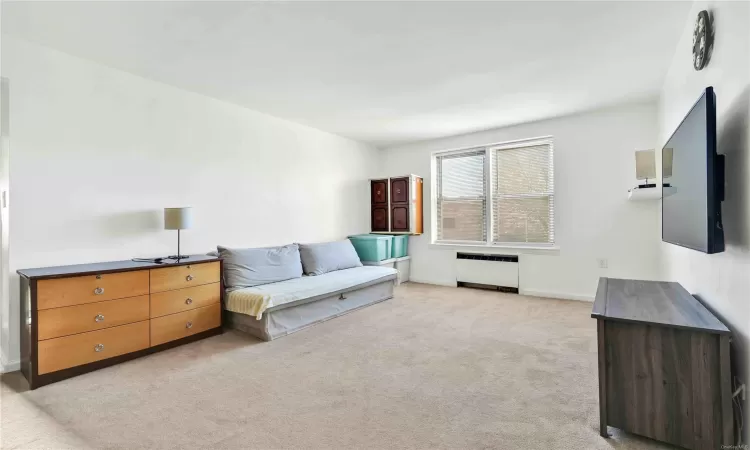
[602, 352]
[725, 373]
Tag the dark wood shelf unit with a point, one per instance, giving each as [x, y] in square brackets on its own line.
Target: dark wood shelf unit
[396, 205]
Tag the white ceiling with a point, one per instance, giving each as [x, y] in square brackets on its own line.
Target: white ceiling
[380, 72]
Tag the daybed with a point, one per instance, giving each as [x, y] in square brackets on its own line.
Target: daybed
[334, 283]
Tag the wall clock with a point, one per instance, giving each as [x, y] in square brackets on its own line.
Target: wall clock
[702, 40]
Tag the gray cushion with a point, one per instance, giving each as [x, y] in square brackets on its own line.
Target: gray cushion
[318, 259]
[246, 267]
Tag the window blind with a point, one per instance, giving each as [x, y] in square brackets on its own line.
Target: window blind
[523, 201]
[498, 194]
[461, 200]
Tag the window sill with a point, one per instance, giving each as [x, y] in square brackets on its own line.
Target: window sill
[504, 249]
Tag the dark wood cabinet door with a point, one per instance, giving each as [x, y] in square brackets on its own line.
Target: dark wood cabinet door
[400, 190]
[379, 218]
[400, 218]
[379, 192]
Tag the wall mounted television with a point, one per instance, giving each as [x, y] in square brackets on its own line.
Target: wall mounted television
[693, 181]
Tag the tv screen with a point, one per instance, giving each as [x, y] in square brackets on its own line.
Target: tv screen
[692, 188]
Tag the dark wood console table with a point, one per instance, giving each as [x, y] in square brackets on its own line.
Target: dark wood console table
[663, 364]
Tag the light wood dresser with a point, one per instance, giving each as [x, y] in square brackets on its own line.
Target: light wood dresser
[75, 319]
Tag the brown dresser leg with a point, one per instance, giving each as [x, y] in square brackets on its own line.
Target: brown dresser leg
[601, 343]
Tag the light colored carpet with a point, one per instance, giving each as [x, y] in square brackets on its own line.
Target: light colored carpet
[435, 367]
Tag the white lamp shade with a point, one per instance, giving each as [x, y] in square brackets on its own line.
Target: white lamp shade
[178, 218]
[666, 162]
[645, 164]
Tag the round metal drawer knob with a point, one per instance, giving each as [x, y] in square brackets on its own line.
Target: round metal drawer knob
[99, 291]
[188, 301]
[189, 278]
[99, 347]
[99, 318]
[189, 325]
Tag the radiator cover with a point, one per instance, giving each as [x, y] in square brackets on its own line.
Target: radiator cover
[487, 269]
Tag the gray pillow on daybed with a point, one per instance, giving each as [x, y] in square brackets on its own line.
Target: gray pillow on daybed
[246, 267]
[318, 259]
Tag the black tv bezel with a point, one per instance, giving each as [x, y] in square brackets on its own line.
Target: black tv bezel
[714, 179]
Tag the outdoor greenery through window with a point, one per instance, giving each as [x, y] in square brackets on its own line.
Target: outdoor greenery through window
[496, 194]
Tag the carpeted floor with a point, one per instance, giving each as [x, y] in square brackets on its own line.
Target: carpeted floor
[435, 367]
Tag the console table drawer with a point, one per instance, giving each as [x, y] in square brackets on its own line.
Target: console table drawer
[58, 292]
[178, 277]
[69, 320]
[170, 302]
[70, 351]
[180, 325]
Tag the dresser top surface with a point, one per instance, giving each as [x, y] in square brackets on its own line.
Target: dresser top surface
[110, 266]
[653, 302]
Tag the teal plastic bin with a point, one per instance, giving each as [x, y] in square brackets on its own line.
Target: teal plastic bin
[372, 247]
[400, 246]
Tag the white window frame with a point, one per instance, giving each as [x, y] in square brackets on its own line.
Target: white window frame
[489, 193]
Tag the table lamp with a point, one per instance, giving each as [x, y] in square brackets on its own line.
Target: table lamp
[178, 219]
[645, 167]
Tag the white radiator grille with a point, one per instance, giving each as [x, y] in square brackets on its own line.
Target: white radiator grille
[491, 270]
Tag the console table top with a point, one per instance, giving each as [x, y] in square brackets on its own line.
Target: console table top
[653, 302]
[111, 266]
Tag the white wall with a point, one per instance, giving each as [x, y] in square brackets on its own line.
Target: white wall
[594, 168]
[722, 280]
[96, 154]
[4, 151]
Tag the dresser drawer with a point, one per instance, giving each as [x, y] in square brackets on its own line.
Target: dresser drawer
[180, 325]
[70, 351]
[179, 277]
[58, 322]
[89, 289]
[170, 302]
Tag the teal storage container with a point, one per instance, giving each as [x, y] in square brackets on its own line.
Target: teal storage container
[372, 247]
[400, 246]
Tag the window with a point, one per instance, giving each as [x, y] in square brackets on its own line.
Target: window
[462, 203]
[499, 194]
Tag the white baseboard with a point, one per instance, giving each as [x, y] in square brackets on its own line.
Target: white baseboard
[9, 366]
[557, 295]
[529, 292]
[437, 283]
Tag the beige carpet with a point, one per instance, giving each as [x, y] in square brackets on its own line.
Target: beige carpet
[435, 367]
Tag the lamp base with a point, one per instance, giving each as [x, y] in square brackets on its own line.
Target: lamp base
[178, 257]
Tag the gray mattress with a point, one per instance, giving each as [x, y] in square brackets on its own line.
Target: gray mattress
[294, 316]
[254, 301]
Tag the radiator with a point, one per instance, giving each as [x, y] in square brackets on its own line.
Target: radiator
[489, 270]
